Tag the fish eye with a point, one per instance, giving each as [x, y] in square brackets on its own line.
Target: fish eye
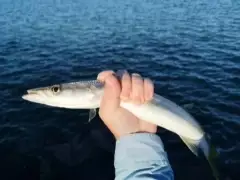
[55, 89]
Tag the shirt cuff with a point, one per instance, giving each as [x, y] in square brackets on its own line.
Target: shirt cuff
[140, 148]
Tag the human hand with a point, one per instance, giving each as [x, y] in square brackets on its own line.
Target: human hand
[131, 88]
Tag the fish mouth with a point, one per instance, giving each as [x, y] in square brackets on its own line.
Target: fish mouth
[31, 93]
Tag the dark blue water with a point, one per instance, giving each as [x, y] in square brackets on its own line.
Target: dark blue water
[190, 48]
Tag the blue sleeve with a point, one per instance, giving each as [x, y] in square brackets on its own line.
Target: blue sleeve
[141, 156]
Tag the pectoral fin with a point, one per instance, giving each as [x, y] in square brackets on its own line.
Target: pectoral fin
[92, 114]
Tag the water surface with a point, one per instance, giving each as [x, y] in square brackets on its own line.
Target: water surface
[189, 48]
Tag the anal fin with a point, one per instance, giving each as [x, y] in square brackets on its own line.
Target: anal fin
[92, 114]
[191, 144]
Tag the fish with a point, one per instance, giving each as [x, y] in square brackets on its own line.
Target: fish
[87, 94]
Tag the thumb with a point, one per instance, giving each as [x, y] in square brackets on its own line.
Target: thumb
[111, 96]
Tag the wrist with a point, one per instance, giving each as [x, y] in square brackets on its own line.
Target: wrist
[136, 133]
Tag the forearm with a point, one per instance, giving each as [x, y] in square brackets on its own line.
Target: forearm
[141, 156]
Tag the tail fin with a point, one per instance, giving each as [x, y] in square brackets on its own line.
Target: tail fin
[209, 151]
[211, 155]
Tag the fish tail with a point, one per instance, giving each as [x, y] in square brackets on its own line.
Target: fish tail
[209, 152]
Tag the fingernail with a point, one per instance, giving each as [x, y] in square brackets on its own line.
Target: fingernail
[124, 71]
[120, 73]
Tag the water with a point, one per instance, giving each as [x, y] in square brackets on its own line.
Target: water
[189, 48]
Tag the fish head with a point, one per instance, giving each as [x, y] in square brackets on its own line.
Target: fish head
[65, 95]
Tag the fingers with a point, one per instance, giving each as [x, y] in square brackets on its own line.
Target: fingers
[104, 74]
[111, 97]
[132, 88]
[136, 89]
[126, 86]
[137, 94]
[111, 89]
[148, 89]
[112, 92]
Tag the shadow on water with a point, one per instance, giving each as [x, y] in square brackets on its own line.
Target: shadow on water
[75, 159]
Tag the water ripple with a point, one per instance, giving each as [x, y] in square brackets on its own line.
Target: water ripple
[189, 48]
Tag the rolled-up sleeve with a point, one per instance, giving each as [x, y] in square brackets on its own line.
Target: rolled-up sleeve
[141, 156]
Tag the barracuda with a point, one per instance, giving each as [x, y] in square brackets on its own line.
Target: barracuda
[159, 111]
